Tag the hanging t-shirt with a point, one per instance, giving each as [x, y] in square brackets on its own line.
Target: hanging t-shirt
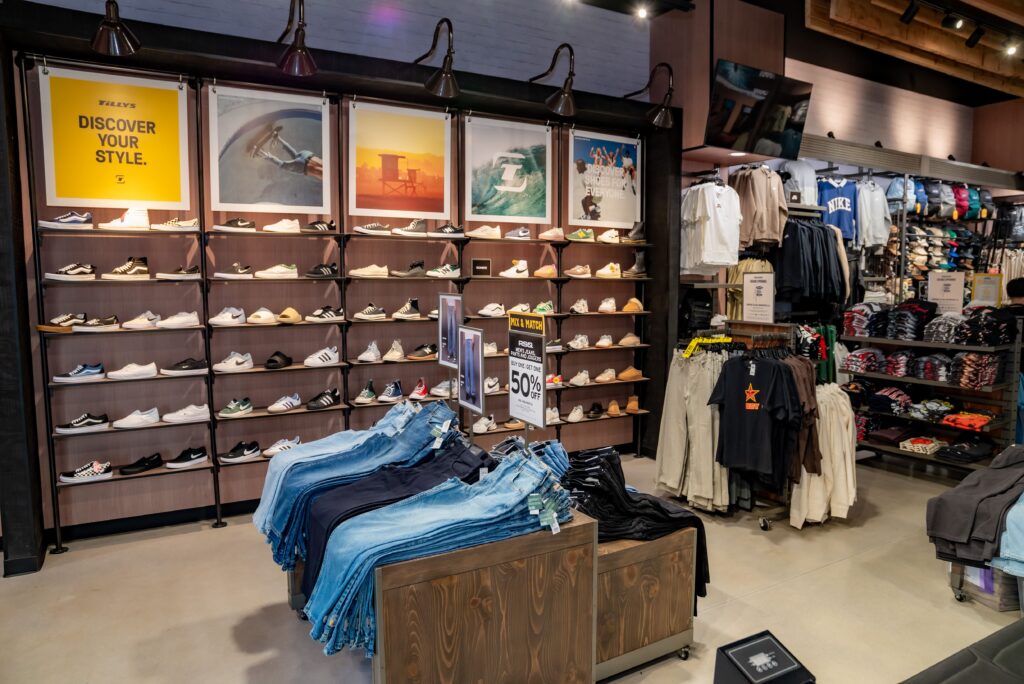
[839, 197]
[722, 231]
[873, 217]
[800, 179]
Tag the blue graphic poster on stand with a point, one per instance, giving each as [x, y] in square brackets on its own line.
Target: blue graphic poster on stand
[508, 171]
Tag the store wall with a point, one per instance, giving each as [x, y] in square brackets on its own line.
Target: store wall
[997, 137]
[509, 39]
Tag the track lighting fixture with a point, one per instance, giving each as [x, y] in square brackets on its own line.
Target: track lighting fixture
[831, 135]
[660, 115]
[950, 21]
[975, 36]
[113, 37]
[561, 102]
[911, 12]
[296, 60]
[442, 83]
[1010, 47]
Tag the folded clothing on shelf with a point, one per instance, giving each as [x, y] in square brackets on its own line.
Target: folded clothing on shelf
[868, 319]
[922, 445]
[865, 424]
[898, 363]
[969, 420]
[967, 449]
[943, 328]
[890, 435]
[974, 370]
[932, 410]
[865, 360]
[908, 320]
[987, 326]
[857, 391]
[889, 400]
[931, 367]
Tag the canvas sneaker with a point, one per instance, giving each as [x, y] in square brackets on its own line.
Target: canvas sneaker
[73, 272]
[580, 379]
[189, 457]
[177, 225]
[242, 452]
[580, 307]
[373, 229]
[490, 348]
[633, 305]
[133, 371]
[319, 227]
[146, 319]
[629, 340]
[190, 414]
[485, 233]
[328, 356]
[262, 316]
[236, 272]
[607, 375]
[135, 268]
[604, 342]
[492, 385]
[236, 408]
[610, 270]
[636, 234]
[132, 219]
[609, 237]
[67, 320]
[545, 308]
[278, 272]
[322, 272]
[576, 415]
[553, 234]
[282, 445]
[484, 425]
[324, 314]
[90, 472]
[181, 273]
[84, 423]
[229, 315]
[492, 310]
[444, 271]
[283, 226]
[371, 271]
[285, 404]
[415, 270]
[370, 355]
[581, 235]
[324, 400]
[520, 233]
[371, 313]
[93, 325]
[83, 372]
[137, 419]
[416, 228]
[579, 342]
[424, 352]
[72, 220]
[392, 393]
[409, 311]
[180, 319]
[448, 231]
[547, 271]
[519, 269]
[366, 396]
[442, 389]
[579, 272]
[607, 305]
[396, 353]
[234, 363]
[419, 393]
[551, 416]
[236, 225]
[187, 366]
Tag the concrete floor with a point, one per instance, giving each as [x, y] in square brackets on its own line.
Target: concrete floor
[863, 600]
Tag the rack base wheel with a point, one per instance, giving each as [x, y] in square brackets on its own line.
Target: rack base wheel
[218, 525]
[765, 524]
[301, 614]
[960, 596]
[684, 653]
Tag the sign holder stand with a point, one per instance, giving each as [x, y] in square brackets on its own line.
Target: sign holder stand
[527, 359]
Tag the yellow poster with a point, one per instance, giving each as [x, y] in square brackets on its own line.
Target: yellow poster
[114, 141]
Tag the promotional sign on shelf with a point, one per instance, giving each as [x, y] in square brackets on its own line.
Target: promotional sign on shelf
[759, 297]
[526, 364]
[471, 369]
[987, 288]
[946, 289]
[449, 318]
[114, 141]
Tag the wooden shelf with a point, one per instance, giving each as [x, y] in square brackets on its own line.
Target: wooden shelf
[332, 234]
[287, 369]
[116, 431]
[996, 424]
[613, 348]
[97, 232]
[929, 383]
[360, 237]
[389, 404]
[869, 446]
[155, 472]
[925, 345]
[46, 282]
[118, 331]
[263, 413]
[421, 319]
[393, 279]
[641, 412]
[275, 324]
[300, 279]
[111, 381]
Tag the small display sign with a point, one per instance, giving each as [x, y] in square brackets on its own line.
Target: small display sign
[526, 364]
[946, 289]
[759, 297]
[471, 369]
[758, 659]
[449, 318]
[987, 289]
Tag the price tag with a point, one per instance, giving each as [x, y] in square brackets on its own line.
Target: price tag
[533, 501]
[526, 364]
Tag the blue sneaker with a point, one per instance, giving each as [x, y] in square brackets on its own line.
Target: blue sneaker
[71, 220]
[391, 393]
[83, 372]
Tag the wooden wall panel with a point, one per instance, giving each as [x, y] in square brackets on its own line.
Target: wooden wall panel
[749, 35]
[998, 139]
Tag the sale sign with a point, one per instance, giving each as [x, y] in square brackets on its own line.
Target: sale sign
[526, 363]
[114, 141]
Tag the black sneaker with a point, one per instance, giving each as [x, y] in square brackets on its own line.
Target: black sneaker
[423, 352]
[90, 472]
[243, 451]
[372, 313]
[98, 325]
[236, 272]
[134, 268]
[409, 311]
[392, 393]
[181, 273]
[373, 229]
[323, 271]
[189, 366]
[448, 231]
[277, 361]
[635, 235]
[326, 313]
[324, 400]
[142, 465]
[319, 227]
[189, 457]
[595, 410]
[415, 269]
[84, 423]
[236, 225]
[73, 272]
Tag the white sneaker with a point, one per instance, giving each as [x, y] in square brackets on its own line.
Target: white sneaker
[551, 416]
[490, 348]
[133, 219]
[580, 307]
[604, 342]
[444, 271]
[262, 316]
[182, 319]
[518, 269]
[144, 320]
[177, 225]
[485, 233]
[283, 226]
[138, 418]
[580, 379]
[552, 234]
[607, 305]
[278, 272]
[610, 270]
[576, 415]
[229, 315]
[371, 354]
[371, 271]
[484, 425]
[285, 404]
[442, 389]
[233, 363]
[328, 356]
[133, 371]
[189, 414]
[396, 353]
[579, 342]
[609, 237]
[492, 310]
[607, 375]
[281, 445]
[492, 386]
[520, 308]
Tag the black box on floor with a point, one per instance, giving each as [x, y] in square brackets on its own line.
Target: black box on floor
[759, 659]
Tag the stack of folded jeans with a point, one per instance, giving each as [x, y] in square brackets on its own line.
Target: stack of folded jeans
[865, 320]
[967, 449]
[865, 360]
[988, 326]
[943, 328]
[450, 516]
[932, 410]
[889, 400]
[975, 370]
[932, 367]
[551, 452]
[897, 364]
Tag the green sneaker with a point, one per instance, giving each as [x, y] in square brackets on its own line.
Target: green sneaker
[236, 408]
[545, 308]
[581, 235]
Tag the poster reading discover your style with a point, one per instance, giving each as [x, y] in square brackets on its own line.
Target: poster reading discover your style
[113, 141]
[604, 180]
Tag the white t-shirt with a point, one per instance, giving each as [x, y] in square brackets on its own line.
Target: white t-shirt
[722, 232]
[802, 179]
[873, 217]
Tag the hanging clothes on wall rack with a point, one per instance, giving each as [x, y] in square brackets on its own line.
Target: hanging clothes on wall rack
[762, 204]
[710, 227]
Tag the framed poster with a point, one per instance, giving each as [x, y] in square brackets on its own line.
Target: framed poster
[114, 141]
[399, 162]
[604, 180]
[508, 171]
[270, 152]
[471, 369]
[449, 318]
[987, 288]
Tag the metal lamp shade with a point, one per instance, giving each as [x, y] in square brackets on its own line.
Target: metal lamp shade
[442, 83]
[561, 101]
[661, 115]
[113, 37]
[297, 60]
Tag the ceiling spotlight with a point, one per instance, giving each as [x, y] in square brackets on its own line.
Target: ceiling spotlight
[952, 22]
[975, 36]
[561, 102]
[642, 12]
[1011, 48]
[660, 115]
[909, 13]
[442, 83]
[113, 37]
[296, 60]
